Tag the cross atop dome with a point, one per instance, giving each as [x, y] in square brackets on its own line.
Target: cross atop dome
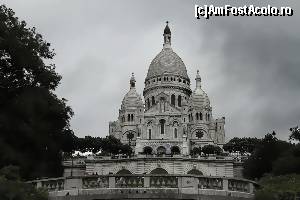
[167, 36]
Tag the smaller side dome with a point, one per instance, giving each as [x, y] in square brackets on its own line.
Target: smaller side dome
[132, 98]
[199, 97]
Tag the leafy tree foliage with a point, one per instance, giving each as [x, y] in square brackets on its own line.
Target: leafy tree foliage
[196, 151]
[288, 162]
[295, 133]
[108, 145]
[148, 150]
[241, 145]
[33, 120]
[211, 149]
[12, 188]
[262, 158]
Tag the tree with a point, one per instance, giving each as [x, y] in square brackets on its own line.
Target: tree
[211, 149]
[148, 150]
[11, 186]
[295, 133]
[196, 151]
[288, 162]
[32, 119]
[241, 145]
[262, 158]
[126, 149]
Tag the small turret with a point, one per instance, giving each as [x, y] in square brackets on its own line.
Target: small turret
[198, 80]
[132, 81]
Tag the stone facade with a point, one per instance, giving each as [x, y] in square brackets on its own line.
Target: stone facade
[174, 165]
[172, 118]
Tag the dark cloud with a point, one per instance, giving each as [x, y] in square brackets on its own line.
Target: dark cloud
[250, 66]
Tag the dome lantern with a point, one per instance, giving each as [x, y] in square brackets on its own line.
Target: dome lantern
[198, 80]
[167, 36]
[132, 81]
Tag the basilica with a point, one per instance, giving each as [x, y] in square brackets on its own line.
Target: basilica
[172, 119]
[166, 127]
[163, 129]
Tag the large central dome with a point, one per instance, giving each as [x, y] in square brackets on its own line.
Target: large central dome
[167, 61]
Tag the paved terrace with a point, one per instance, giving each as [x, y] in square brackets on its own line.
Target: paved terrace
[147, 186]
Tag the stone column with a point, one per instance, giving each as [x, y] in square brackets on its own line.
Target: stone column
[39, 184]
[111, 182]
[147, 182]
[180, 179]
[225, 184]
[251, 188]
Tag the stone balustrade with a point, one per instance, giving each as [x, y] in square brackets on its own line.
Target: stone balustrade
[183, 183]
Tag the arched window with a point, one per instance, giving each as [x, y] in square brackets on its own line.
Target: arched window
[159, 171]
[149, 134]
[197, 116]
[162, 126]
[173, 99]
[131, 117]
[175, 132]
[148, 103]
[124, 171]
[175, 150]
[161, 150]
[153, 100]
[128, 118]
[147, 150]
[208, 117]
[179, 101]
[195, 172]
[201, 117]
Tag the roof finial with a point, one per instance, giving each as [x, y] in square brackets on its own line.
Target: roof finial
[132, 80]
[198, 80]
[167, 36]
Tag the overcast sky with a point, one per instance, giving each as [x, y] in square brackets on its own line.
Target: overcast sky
[250, 66]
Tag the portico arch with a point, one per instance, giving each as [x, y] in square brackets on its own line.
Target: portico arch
[124, 171]
[159, 170]
[195, 172]
[175, 150]
[147, 150]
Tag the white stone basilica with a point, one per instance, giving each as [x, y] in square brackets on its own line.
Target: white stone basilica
[172, 119]
[163, 129]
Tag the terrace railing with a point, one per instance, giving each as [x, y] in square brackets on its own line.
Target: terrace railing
[147, 181]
